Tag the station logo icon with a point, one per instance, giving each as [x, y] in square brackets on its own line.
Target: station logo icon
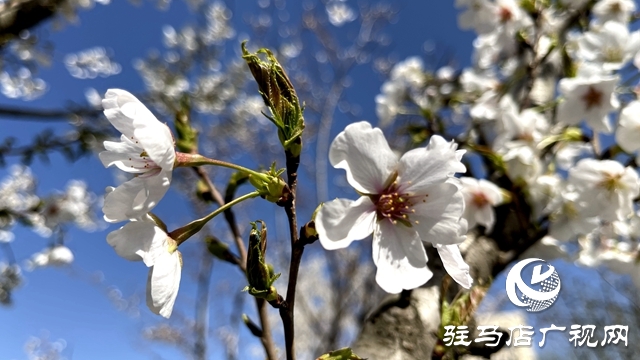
[539, 293]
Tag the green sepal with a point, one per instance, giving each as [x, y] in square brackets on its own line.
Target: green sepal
[271, 186]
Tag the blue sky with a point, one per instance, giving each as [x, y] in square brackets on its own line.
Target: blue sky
[67, 303]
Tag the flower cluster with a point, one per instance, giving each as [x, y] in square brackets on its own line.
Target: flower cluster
[536, 106]
[48, 216]
[90, 63]
[146, 150]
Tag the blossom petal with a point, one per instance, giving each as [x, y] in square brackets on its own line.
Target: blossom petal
[138, 240]
[163, 283]
[455, 265]
[136, 197]
[112, 102]
[400, 257]
[424, 167]
[125, 155]
[439, 216]
[365, 155]
[628, 130]
[341, 221]
[491, 191]
[485, 216]
[127, 114]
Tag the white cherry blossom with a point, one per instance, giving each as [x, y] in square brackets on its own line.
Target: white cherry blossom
[612, 45]
[478, 15]
[568, 154]
[58, 255]
[143, 241]
[480, 196]
[404, 201]
[569, 216]
[544, 192]
[616, 10]
[74, 206]
[146, 150]
[522, 161]
[590, 99]
[527, 127]
[405, 84]
[340, 13]
[628, 131]
[478, 81]
[511, 15]
[607, 187]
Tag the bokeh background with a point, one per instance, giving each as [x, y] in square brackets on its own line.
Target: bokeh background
[94, 308]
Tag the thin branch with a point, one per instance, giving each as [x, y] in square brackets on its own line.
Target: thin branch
[45, 115]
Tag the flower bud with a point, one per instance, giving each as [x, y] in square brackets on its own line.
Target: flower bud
[187, 136]
[220, 250]
[279, 96]
[252, 326]
[216, 247]
[260, 275]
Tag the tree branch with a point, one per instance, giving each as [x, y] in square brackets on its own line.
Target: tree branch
[45, 115]
[19, 15]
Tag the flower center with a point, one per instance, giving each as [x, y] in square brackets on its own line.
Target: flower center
[394, 205]
[505, 14]
[615, 8]
[479, 200]
[592, 98]
[526, 137]
[143, 163]
[613, 54]
[611, 182]
[570, 210]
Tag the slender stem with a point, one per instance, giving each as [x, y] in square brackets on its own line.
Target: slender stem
[192, 160]
[287, 311]
[180, 235]
[217, 197]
